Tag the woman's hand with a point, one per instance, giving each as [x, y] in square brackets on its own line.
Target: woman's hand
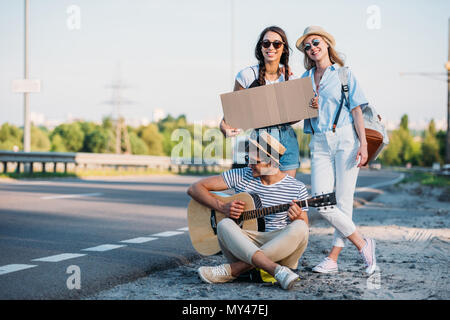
[314, 103]
[227, 130]
[362, 155]
[358, 119]
[295, 212]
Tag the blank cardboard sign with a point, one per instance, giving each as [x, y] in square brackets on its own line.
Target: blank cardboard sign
[269, 105]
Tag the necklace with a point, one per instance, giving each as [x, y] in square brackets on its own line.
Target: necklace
[277, 74]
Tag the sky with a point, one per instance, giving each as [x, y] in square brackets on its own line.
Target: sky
[180, 56]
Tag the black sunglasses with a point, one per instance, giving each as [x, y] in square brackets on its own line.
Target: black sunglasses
[254, 161]
[315, 43]
[276, 44]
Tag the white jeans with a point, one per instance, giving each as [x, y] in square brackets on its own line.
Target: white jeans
[333, 164]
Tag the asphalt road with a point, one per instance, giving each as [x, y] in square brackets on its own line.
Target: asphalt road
[66, 239]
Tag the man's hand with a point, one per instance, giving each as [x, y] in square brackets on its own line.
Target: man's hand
[233, 209]
[295, 212]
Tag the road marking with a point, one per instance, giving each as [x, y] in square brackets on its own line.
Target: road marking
[366, 189]
[183, 229]
[388, 183]
[60, 257]
[104, 247]
[139, 240]
[166, 234]
[15, 267]
[373, 187]
[72, 196]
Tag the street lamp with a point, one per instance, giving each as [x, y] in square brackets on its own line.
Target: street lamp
[447, 66]
[26, 85]
[26, 95]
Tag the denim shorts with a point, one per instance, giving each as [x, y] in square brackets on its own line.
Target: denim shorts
[288, 138]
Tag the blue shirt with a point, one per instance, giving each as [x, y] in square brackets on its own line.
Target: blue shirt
[330, 98]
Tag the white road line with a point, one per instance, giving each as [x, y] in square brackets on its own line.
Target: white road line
[15, 267]
[374, 187]
[366, 189]
[166, 234]
[104, 247]
[60, 257]
[64, 196]
[183, 229]
[387, 183]
[139, 240]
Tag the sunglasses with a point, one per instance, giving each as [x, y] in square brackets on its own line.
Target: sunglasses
[276, 44]
[254, 161]
[308, 46]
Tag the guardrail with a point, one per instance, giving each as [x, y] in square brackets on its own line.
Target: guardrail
[27, 161]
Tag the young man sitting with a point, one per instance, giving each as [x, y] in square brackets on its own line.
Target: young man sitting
[277, 249]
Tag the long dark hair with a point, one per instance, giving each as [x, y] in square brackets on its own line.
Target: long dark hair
[284, 60]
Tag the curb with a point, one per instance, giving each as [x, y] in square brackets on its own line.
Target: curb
[363, 195]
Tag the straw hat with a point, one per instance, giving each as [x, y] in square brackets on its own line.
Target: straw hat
[273, 148]
[316, 30]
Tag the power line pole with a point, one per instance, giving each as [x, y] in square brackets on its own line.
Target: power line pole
[121, 127]
[438, 76]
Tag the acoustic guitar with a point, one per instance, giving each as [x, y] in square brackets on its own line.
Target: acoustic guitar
[202, 221]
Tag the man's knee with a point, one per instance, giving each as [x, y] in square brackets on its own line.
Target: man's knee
[299, 229]
[224, 226]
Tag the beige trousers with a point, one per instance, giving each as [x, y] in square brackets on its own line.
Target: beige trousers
[284, 246]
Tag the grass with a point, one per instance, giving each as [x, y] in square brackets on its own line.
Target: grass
[22, 175]
[100, 173]
[427, 179]
[118, 173]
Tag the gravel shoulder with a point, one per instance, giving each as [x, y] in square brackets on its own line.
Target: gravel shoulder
[409, 222]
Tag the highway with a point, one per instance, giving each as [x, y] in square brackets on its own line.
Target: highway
[70, 238]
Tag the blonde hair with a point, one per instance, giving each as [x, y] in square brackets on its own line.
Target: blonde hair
[335, 57]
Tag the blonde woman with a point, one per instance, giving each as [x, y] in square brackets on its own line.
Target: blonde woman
[338, 148]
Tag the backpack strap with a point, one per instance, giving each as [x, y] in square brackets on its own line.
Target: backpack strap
[255, 82]
[343, 77]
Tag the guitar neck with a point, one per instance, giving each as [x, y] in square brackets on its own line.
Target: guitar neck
[261, 212]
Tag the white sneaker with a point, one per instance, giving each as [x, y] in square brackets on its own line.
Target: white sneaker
[286, 277]
[218, 274]
[368, 255]
[326, 266]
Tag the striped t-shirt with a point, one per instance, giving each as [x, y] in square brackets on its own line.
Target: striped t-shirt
[282, 192]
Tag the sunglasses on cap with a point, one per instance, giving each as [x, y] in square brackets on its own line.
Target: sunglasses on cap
[308, 46]
[253, 160]
[276, 44]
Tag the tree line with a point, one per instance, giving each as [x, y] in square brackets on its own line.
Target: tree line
[406, 146]
[86, 136]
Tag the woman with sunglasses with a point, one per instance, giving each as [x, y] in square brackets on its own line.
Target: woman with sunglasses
[339, 149]
[272, 53]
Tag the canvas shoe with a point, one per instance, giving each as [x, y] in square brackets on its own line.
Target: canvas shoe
[218, 274]
[285, 277]
[326, 266]
[368, 255]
